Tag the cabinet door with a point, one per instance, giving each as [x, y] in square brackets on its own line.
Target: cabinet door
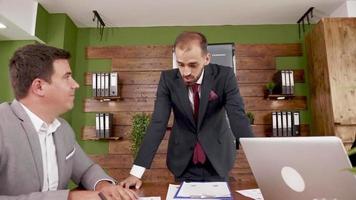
[340, 39]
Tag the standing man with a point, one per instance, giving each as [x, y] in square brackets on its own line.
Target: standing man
[201, 145]
[38, 150]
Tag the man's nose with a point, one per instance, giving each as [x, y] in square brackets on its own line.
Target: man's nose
[75, 84]
[187, 71]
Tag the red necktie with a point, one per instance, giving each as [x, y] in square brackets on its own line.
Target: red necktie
[198, 155]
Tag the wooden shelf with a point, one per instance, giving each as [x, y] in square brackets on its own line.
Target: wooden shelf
[280, 96]
[105, 99]
[109, 138]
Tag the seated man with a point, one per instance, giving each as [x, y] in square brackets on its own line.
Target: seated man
[38, 150]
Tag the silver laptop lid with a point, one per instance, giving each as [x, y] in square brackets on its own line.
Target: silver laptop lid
[300, 168]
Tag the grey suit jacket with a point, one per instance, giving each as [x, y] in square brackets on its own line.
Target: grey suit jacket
[219, 93]
[21, 170]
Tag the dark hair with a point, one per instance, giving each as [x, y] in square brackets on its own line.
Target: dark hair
[31, 62]
[185, 38]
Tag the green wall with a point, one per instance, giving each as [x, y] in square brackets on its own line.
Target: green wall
[7, 48]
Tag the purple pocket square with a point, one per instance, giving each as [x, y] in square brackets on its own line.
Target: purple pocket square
[212, 96]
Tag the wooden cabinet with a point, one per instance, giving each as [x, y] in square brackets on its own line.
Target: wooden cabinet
[331, 51]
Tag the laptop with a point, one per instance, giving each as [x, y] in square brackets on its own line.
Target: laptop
[300, 168]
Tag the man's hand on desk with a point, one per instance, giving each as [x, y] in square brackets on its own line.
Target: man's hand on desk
[131, 181]
[114, 192]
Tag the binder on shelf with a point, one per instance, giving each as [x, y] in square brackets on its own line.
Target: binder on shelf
[280, 79]
[106, 84]
[296, 123]
[274, 124]
[98, 84]
[102, 86]
[279, 124]
[287, 90]
[284, 82]
[291, 76]
[114, 79]
[289, 124]
[108, 125]
[97, 125]
[284, 124]
[93, 81]
[102, 125]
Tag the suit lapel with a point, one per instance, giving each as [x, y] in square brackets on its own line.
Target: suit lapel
[183, 96]
[204, 93]
[61, 154]
[32, 136]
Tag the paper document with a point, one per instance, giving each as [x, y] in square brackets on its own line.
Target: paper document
[203, 190]
[251, 193]
[172, 190]
[149, 198]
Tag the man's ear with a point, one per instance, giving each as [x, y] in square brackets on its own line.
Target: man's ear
[207, 59]
[38, 87]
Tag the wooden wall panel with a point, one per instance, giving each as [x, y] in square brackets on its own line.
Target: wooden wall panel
[275, 50]
[255, 62]
[243, 76]
[340, 44]
[141, 64]
[123, 147]
[264, 76]
[139, 70]
[320, 101]
[149, 51]
[147, 104]
[124, 132]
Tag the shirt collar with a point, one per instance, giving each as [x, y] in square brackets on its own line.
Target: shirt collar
[38, 123]
[200, 80]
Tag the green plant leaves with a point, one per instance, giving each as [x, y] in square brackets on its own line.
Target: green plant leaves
[140, 123]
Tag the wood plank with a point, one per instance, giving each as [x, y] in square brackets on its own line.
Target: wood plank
[147, 105]
[346, 133]
[291, 49]
[252, 90]
[141, 64]
[123, 132]
[119, 161]
[132, 78]
[320, 101]
[340, 40]
[127, 105]
[264, 76]
[124, 147]
[151, 175]
[260, 104]
[142, 51]
[255, 62]
[243, 76]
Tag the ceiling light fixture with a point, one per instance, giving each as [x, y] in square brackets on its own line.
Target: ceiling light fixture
[306, 15]
[99, 23]
[2, 25]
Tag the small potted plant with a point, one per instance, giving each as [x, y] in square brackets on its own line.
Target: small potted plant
[140, 123]
[270, 86]
[251, 117]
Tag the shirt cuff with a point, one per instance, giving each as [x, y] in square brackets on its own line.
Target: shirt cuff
[108, 180]
[137, 171]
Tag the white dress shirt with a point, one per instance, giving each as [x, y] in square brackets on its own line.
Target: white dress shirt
[137, 170]
[49, 158]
